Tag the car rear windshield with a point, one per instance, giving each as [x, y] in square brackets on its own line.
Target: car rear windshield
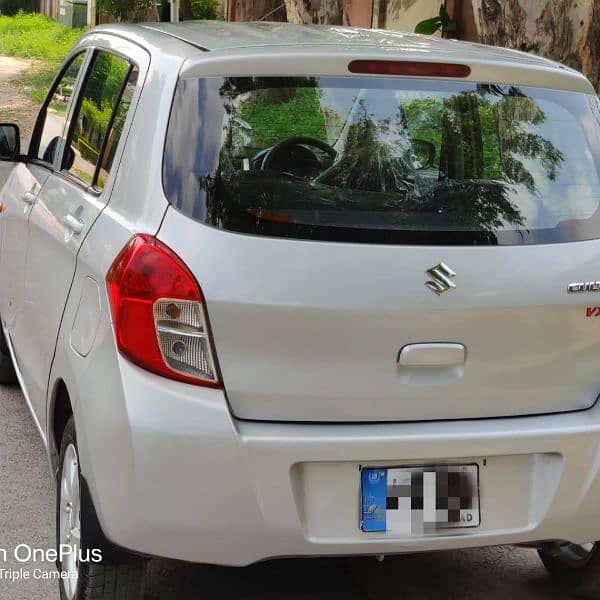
[385, 160]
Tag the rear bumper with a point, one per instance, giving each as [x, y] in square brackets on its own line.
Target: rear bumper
[174, 475]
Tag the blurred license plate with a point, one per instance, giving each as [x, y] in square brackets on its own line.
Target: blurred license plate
[419, 500]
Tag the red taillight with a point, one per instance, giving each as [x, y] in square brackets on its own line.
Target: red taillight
[411, 68]
[158, 313]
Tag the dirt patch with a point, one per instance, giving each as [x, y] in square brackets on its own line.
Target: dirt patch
[15, 103]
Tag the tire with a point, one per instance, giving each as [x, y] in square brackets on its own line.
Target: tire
[119, 576]
[7, 369]
[575, 568]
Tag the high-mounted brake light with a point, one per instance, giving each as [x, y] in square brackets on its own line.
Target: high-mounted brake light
[411, 68]
[158, 313]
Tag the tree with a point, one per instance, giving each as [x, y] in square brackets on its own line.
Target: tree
[256, 10]
[316, 11]
[564, 30]
[295, 11]
[130, 11]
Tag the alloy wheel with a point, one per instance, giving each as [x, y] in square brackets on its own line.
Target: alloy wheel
[70, 519]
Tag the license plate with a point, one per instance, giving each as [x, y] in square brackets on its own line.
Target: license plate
[418, 500]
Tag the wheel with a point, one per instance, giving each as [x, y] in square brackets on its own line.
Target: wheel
[576, 567]
[7, 369]
[83, 576]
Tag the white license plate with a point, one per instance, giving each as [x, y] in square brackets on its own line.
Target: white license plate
[418, 500]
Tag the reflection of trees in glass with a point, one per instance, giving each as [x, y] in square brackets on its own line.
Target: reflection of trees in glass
[462, 146]
[488, 143]
[375, 156]
[471, 205]
[514, 113]
[276, 114]
[502, 128]
[423, 119]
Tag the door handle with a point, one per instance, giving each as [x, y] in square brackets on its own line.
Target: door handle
[74, 224]
[29, 197]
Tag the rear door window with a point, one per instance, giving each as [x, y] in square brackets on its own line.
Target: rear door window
[100, 115]
[385, 160]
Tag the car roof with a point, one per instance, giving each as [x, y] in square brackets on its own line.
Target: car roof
[224, 36]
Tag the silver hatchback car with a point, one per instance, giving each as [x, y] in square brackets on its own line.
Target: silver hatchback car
[285, 291]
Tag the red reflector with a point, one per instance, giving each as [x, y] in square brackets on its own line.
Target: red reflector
[413, 68]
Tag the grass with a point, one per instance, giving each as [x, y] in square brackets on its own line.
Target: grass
[34, 36]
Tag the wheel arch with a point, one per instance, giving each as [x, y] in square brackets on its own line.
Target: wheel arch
[59, 412]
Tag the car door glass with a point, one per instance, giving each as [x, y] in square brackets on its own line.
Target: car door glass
[57, 109]
[99, 118]
[114, 135]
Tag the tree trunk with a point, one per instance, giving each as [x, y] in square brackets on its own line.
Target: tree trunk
[316, 11]
[143, 15]
[256, 10]
[565, 30]
[185, 10]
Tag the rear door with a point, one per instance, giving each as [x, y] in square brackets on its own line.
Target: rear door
[70, 201]
[22, 188]
[420, 272]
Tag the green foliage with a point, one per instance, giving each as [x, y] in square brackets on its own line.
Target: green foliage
[123, 10]
[274, 119]
[39, 82]
[108, 74]
[505, 138]
[424, 118]
[204, 9]
[31, 35]
[99, 117]
[441, 21]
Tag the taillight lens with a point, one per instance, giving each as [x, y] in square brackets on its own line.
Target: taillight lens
[158, 313]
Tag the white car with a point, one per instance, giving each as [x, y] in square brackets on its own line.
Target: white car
[286, 291]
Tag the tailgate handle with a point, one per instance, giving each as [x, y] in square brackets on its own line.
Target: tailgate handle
[432, 355]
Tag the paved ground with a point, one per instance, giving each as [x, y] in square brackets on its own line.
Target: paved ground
[15, 105]
[27, 509]
[26, 516]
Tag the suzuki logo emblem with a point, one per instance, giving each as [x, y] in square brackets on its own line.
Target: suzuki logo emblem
[440, 279]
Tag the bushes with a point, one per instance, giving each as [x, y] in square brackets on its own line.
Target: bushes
[31, 35]
[204, 9]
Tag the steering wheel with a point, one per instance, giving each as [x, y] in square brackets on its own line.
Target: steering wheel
[281, 150]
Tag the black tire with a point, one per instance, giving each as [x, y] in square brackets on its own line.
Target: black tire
[579, 576]
[119, 576]
[7, 369]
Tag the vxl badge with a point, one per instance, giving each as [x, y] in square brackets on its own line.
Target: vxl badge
[440, 279]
